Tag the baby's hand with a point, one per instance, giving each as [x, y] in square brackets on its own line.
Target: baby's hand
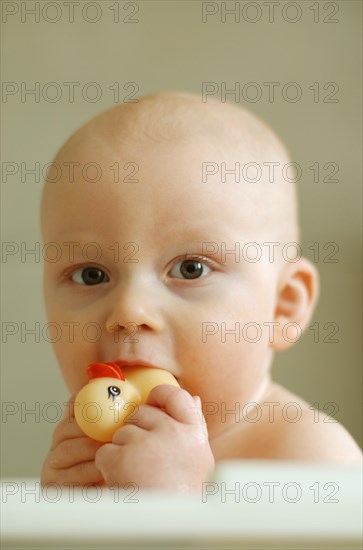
[163, 444]
[71, 458]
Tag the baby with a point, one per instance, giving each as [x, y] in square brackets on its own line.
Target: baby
[173, 218]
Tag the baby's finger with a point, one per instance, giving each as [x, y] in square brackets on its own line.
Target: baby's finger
[107, 460]
[145, 418]
[176, 402]
[198, 404]
[72, 452]
[65, 430]
[67, 427]
[84, 474]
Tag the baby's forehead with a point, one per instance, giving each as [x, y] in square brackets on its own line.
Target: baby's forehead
[221, 144]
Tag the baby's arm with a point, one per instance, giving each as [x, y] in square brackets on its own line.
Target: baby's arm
[71, 458]
[163, 444]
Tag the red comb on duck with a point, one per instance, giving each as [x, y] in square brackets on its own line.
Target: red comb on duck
[105, 370]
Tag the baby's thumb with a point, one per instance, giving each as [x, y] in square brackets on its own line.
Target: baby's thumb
[198, 404]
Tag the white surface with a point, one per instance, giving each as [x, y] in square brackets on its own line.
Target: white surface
[311, 507]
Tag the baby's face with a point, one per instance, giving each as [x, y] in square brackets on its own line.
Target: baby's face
[151, 287]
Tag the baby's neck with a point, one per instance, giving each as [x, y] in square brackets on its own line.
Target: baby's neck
[224, 442]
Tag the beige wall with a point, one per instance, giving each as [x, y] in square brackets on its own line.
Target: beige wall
[171, 47]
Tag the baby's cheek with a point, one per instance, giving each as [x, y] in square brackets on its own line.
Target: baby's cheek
[73, 358]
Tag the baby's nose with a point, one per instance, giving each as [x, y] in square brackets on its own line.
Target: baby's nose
[135, 307]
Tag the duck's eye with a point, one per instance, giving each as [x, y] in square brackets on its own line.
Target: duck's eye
[190, 269]
[113, 391]
[89, 276]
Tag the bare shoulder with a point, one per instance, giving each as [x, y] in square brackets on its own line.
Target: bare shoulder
[300, 432]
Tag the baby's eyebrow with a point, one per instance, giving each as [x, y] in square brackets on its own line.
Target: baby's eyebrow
[68, 249]
[199, 237]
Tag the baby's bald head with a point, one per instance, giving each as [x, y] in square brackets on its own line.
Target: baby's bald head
[237, 138]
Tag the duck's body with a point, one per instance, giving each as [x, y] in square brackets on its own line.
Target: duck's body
[144, 379]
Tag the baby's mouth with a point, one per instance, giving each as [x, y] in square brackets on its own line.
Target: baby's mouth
[125, 364]
[134, 363]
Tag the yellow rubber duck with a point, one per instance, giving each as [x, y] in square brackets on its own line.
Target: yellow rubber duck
[109, 398]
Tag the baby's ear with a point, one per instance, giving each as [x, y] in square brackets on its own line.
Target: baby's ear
[297, 295]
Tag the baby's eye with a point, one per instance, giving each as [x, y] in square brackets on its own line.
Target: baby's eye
[189, 269]
[89, 276]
